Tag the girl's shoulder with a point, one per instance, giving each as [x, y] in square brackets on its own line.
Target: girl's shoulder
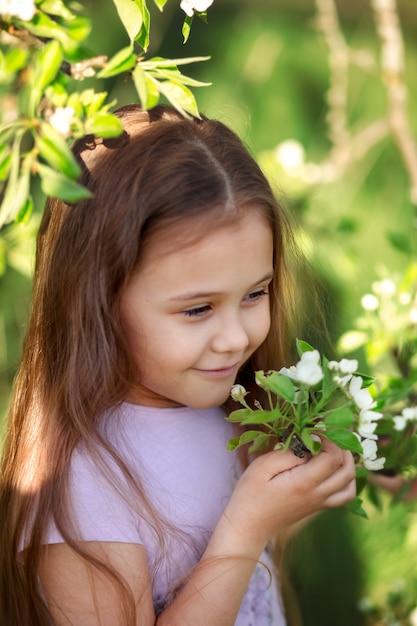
[139, 432]
[166, 451]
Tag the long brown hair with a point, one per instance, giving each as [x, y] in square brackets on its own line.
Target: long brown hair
[76, 364]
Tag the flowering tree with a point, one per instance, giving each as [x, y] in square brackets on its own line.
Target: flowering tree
[41, 59]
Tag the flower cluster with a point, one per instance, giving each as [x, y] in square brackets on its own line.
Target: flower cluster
[23, 9]
[408, 414]
[387, 326]
[367, 417]
[309, 401]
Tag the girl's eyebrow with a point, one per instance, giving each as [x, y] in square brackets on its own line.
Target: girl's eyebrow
[195, 295]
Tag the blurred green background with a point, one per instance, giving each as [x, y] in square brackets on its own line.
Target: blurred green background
[269, 70]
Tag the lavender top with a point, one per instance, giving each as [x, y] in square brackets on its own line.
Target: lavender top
[180, 457]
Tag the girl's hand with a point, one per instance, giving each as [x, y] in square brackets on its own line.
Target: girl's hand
[279, 489]
[395, 485]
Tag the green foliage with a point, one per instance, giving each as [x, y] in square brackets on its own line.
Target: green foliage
[42, 59]
[270, 73]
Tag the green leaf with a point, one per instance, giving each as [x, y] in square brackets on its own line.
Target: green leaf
[25, 212]
[96, 102]
[179, 96]
[186, 27]
[160, 4]
[47, 64]
[143, 36]
[122, 61]
[303, 346]
[105, 125]
[15, 59]
[342, 418]
[278, 383]
[258, 438]
[367, 381]
[78, 30]
[239, 415]
[259, 443]
[202, 15]
[7, 208]
[17, 190]
[147, 90]
[54, 149]
[355, 506]
[260, 417]
[43, 26]
[5, 160]
[58, 185]
[158, 62]
[56, 7]
[173, 74]
[400, 242]
[131, 17]
[344, 439]
[313, 446]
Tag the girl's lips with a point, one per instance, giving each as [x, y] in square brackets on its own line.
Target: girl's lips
[223, 372]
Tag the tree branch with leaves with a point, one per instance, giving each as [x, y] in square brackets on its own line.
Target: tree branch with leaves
[42, 55]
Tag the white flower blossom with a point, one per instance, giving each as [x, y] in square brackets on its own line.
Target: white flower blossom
[369, 302]
[368, 415]
[413, 617]
[61, 120]
[345, 366]
[361, 397]
[367, 430]
[410, 413]
[370, 460]
[290, 154]
[342, 381]
[189, 6]
[370, 449]
[23, 9]
[404, 298]
[399, 422]
[307, 370]
[238, 392]
[374, 465]
[385, 287]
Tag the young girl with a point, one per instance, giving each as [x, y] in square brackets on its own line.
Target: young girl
[120, 504]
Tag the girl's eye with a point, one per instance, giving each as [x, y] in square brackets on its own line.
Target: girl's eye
[256, 295]
[198, 311]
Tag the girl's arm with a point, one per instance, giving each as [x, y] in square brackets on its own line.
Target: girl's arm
[275, 491]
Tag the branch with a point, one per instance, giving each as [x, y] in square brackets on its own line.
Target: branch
[23, 35]
[78, 71]
[353, 150]
[392, 55]
[328, 24]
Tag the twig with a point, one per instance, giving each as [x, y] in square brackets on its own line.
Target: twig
[392, 59]
[84, 69]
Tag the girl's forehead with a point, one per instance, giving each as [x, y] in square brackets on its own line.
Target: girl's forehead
[230, 257]
[185, 234]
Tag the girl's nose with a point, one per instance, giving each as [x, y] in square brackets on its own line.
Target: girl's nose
[231, 335]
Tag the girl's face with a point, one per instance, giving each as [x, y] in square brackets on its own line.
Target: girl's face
[195, 315]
